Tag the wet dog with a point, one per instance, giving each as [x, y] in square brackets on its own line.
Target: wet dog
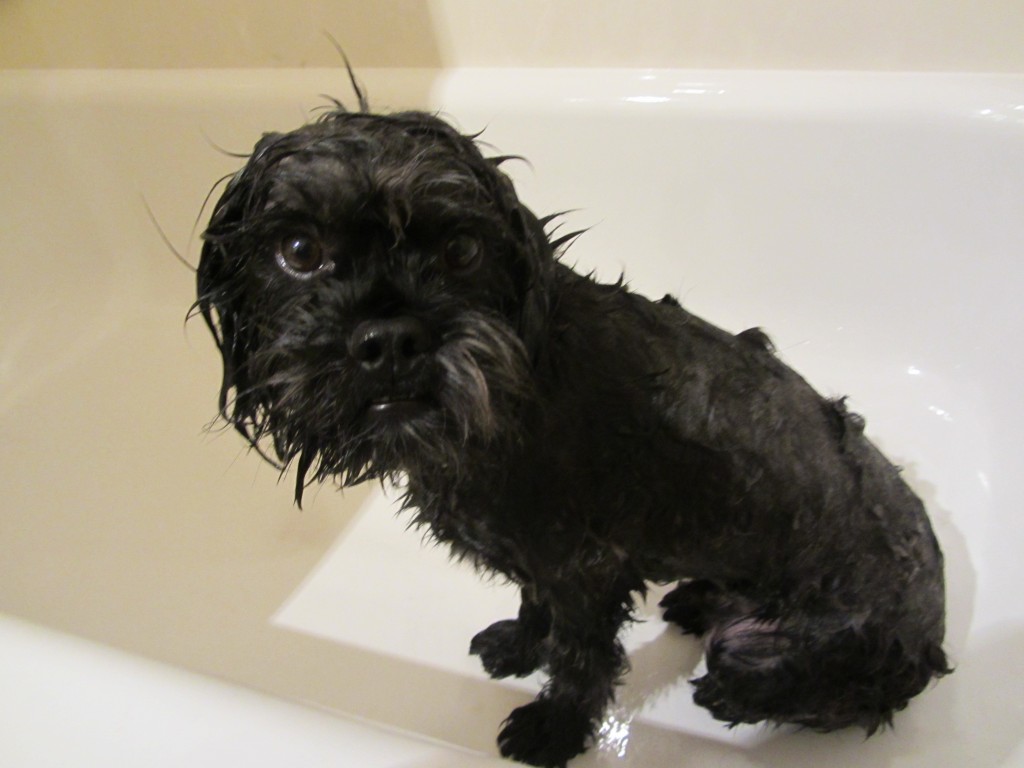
[387, 308]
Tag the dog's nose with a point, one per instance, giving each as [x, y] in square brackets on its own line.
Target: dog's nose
[393, 343]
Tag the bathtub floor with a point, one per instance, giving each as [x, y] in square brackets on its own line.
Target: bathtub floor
[872, 224]
[68, 702]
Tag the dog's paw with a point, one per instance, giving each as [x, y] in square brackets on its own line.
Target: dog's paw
[689, 605]
[544, 733]
[710, 694]
[504, 651]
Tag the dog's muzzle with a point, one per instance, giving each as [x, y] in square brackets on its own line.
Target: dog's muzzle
[392, 355]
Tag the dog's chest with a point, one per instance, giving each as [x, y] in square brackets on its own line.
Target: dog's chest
[605, 501]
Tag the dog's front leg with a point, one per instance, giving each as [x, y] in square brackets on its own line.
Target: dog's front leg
[515, 647]
[585, 660]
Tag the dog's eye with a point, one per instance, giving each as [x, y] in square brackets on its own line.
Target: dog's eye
[462, 253]
[300, 254]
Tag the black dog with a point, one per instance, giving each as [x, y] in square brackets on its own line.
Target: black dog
[386, 307]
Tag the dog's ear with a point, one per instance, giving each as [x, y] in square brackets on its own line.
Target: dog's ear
[217, 303]
[533, 262]
[220, 299]
[220, 285]
[535, 265]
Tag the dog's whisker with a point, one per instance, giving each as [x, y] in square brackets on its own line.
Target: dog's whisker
[166, 240]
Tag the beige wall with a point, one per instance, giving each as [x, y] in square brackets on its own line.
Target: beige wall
[972, 35]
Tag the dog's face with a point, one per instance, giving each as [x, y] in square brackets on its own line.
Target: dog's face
[374, 286]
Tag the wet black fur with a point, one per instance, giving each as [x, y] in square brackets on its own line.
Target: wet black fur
[576, 438]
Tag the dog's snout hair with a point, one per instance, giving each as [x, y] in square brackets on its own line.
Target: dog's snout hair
[385, 307]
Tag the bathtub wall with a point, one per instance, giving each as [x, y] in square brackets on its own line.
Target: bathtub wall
[948, 35]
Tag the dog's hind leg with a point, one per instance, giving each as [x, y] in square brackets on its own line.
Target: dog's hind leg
[697, 604]
[821, 672]
[691, 605]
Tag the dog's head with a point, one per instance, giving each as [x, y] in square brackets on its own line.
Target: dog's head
[376, 290]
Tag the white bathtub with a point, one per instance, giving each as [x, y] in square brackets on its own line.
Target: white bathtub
[871, 224]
